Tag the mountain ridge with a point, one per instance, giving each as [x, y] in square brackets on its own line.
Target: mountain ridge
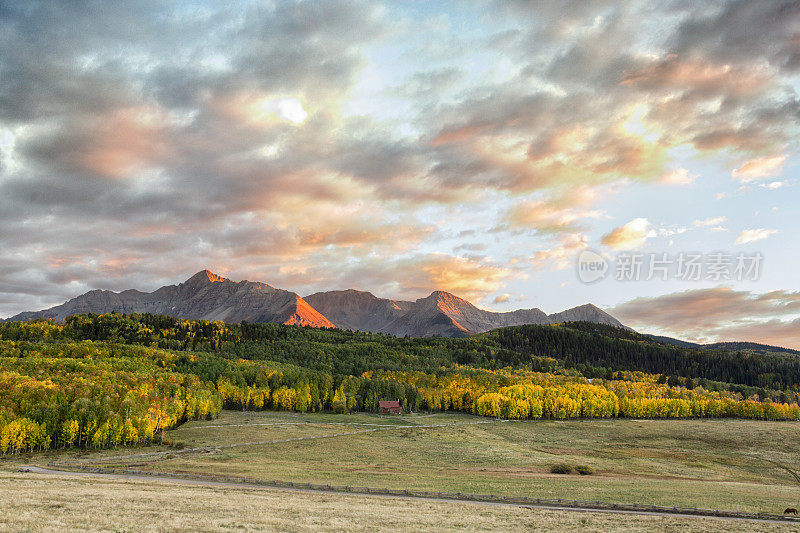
[209, 296]
[734, 346]
[205, 295]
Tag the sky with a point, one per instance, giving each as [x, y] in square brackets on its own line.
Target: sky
[401, 147]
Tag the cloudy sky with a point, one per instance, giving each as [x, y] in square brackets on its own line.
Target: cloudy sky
[475, 147]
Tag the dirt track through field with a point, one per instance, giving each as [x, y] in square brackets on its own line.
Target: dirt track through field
[368, 424]
[449, 498]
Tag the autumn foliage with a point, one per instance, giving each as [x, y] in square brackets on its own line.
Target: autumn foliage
[108, 380]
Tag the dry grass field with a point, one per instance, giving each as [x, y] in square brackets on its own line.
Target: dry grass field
[716, 464]
[36, 502]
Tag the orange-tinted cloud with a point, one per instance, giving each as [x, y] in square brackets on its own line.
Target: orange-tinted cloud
[403, 278]
[115, 143]
[562, 254]
[124, 142]
[760, 167]
[703, 77]
[458, 135]
[775, 332]
[469, 279]
[546, 217]
[629, 236]
[259, 110]
[719, 313]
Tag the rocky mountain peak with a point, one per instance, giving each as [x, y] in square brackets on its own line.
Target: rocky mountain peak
[201, 281]
[585, 313]
[357, 310]
[204, 277]
[442, 297]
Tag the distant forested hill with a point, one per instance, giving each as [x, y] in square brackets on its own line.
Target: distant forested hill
[753, 347]
[597, 350]
[731, 346]
[585, 345]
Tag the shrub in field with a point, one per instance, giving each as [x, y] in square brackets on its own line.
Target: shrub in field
[584, 470]
[339, 402]
[561, 469]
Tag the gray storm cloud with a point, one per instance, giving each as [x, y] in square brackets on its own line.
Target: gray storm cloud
[147, 135]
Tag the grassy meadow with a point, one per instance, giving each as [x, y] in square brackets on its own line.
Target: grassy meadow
[719, 464]
[49, 503]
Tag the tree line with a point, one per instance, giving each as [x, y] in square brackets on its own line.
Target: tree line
[108, 380]
[92, 403]
[595, 350]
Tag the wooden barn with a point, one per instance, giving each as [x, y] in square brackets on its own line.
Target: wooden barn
[390, 407]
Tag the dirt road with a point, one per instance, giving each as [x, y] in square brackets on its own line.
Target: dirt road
[450, 498]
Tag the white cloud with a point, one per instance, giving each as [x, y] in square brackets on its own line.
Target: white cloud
[290, 109]
[667, 232]
[710, 221]
[754, 235]
[760, 167]
[630, 236]
[679, 176]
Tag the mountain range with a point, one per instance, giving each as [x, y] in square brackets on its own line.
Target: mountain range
[208, 296]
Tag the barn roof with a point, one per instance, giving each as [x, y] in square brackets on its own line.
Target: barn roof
[388, 403]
